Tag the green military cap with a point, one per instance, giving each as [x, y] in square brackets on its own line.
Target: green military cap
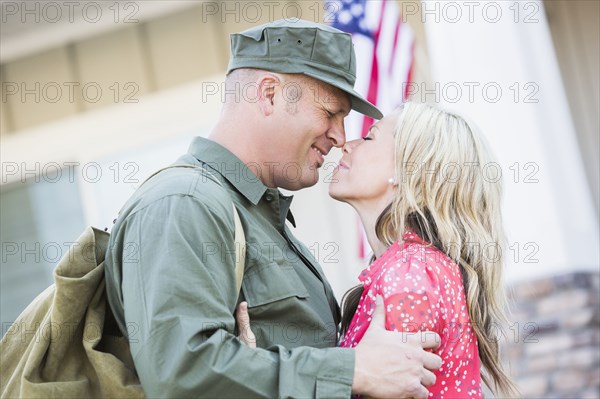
[304, 47]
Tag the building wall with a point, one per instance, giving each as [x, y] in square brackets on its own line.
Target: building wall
[119, 66]
[553, 340]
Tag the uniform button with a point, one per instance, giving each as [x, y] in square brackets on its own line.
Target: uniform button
[269, 197]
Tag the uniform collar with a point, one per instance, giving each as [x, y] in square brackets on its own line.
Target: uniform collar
[229, 166]
[285, 202]
[245, 181]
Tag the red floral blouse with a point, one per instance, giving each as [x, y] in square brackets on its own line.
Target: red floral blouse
[422, 290]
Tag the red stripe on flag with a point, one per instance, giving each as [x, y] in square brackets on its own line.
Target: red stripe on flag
[395, 46]
[410, 70]
[372, 94]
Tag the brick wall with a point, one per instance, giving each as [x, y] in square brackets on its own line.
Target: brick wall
[553, 345]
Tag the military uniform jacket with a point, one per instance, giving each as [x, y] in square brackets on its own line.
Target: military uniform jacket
[171, 285]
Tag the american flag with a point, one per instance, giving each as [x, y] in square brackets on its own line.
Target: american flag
[384, 47]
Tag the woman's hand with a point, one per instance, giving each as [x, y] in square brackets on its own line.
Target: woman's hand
[243, 320]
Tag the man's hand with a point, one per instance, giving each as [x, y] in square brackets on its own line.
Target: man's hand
[243, 320]
[394, 365]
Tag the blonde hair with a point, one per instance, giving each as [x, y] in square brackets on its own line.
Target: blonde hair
[450, 194]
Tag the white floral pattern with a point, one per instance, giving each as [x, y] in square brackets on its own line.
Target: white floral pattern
[422, 289]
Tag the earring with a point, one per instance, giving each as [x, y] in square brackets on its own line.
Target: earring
[392, 181]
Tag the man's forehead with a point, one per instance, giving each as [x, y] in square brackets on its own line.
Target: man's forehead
[319, 91]
[333, 96]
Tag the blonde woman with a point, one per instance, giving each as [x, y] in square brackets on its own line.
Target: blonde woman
[433, 220]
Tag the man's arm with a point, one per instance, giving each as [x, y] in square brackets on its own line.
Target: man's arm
[387, 364]
[179, 296]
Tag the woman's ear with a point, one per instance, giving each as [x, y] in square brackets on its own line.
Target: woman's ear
[267, 88]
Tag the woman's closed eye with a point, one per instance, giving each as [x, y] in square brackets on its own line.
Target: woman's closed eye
[370, 133]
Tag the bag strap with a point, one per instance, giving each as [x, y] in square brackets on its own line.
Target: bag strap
[239, 236]
[240, 249]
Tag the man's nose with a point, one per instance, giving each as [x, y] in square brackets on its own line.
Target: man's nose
[337, 134]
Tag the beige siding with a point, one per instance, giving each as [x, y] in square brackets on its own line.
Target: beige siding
[4, 115]
[185, 46]
[47, 75]
[3, 119]
[115, 63]
[248, 16]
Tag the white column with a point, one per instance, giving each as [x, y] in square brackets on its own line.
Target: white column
[495, 62]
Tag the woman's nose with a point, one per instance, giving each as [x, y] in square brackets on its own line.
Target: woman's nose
[350, 145]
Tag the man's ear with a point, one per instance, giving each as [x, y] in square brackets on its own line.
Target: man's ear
[268, 85]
